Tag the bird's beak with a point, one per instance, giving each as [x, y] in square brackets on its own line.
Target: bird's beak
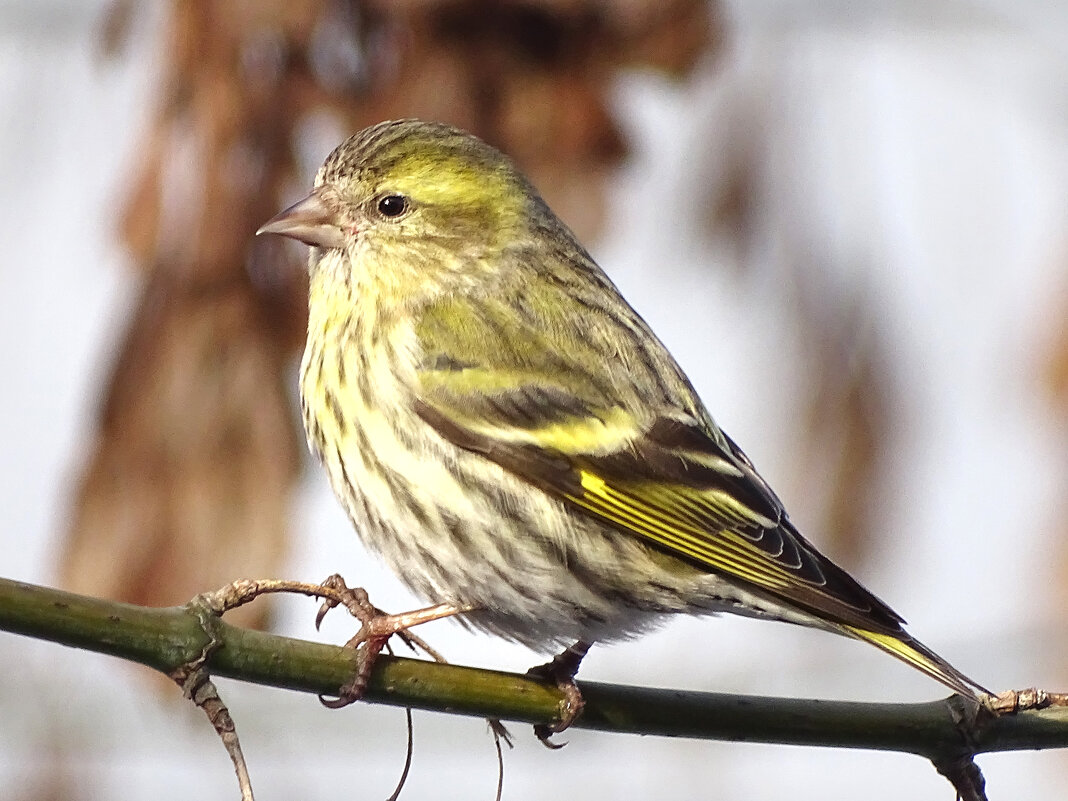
[310, 220]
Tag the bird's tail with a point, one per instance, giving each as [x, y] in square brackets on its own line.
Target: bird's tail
[919, 656]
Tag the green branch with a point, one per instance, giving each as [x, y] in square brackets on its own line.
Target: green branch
[168, 639]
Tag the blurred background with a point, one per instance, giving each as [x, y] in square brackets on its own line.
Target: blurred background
[848, 223]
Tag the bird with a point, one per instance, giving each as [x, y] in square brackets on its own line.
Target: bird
[512, 438]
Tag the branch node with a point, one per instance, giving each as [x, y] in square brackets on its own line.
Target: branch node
[198, 687]
[968, 716]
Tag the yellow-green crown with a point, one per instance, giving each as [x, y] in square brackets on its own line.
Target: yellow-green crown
[434, 164]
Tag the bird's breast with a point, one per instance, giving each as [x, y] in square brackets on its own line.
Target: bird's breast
[386, 467]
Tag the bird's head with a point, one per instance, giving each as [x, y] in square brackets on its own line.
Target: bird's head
[413, 194]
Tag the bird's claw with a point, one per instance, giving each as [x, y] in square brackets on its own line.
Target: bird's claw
[561, 671]
[376, 627]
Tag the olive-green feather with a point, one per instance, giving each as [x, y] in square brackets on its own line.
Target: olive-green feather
[568, 417]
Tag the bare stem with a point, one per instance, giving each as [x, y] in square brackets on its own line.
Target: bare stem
[166, 639]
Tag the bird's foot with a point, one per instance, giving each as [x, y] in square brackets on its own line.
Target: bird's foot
[561, 671]
[376, 627]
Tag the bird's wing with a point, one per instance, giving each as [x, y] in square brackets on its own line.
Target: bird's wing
[563, 417]
[554, 397]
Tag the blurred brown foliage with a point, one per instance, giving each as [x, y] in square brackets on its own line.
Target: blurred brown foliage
[189, 481]
[848, 416]
[1056, 384]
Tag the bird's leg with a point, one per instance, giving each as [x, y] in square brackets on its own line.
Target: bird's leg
[375, 630]
[561, 671]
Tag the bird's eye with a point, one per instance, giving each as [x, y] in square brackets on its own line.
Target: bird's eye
[392, 205]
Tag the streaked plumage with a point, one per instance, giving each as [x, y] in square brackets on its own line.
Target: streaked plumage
[506, 431]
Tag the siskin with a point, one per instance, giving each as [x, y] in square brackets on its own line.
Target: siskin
[512, 438]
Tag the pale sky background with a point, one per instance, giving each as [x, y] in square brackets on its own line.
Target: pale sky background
[928, 157]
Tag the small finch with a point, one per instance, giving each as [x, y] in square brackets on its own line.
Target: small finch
[512, 438]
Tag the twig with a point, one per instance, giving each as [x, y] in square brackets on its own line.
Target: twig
[965, 777]
[407, 756]
[169, 638]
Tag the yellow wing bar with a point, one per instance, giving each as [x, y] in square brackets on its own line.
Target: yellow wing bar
[720, 550]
